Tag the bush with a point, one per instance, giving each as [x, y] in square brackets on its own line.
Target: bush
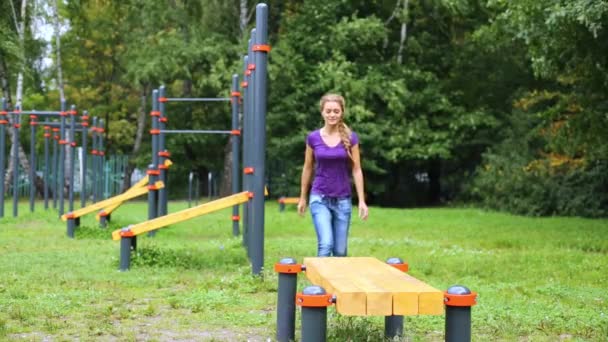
[507, 182]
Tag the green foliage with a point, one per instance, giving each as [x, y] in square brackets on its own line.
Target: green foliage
[519, 177]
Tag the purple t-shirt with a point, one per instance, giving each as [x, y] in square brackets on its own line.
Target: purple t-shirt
[332, 168]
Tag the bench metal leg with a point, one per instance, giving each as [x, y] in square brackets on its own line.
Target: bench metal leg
[314, 301]
[127, 244]
[314, 324]
[458, 302]
[71, 227]
[288, 270]
[393, 326]
[103, 221]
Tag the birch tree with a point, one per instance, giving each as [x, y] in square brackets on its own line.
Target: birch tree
[60, 85]
[20, 29]
[21, 33]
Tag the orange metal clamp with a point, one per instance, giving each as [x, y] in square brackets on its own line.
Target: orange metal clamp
[317, 301]
[460, 300]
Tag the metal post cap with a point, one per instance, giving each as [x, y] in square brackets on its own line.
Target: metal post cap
[313, 290]
[394, 261]
[459, 290]
[288, 261]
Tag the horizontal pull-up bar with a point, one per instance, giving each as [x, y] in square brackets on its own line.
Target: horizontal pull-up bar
[193, 99]
[35, 112]
[195, 131]
[57, 124]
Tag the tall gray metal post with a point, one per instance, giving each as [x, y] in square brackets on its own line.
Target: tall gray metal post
[72, 157]
[61, 161]
[314, 302]
[47, 169]
[288, 270]
[153, 171]
[236, 133]
[458, 302]
[3, 123]
[260, 53]
[94, 160]
[162, 153]
[83, 183]
[32, 174]
[15, 154]
[101, 153]
[244, 132]
[249, 121]
[54, 186]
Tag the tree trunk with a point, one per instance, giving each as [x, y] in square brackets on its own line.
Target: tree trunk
[60, 86]
[403, 33]
[21, 32]
[58, 52]
[18, 98]
[243, 19]
[226, 182]
[6, 91]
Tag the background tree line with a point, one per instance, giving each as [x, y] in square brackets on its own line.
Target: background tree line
[495, 102]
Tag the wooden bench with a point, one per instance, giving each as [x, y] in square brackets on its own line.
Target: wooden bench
[366, 286]
[287, 200]
[359, 286]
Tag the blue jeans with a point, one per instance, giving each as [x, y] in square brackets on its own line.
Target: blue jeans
[331, 217]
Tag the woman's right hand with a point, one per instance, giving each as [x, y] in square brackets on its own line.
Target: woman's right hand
[302, 206]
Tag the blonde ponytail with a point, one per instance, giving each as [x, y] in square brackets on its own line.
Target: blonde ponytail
[345, 133]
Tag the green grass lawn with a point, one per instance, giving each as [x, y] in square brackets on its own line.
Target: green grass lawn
[538, 279]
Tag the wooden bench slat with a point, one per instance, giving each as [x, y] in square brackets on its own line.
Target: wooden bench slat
[352, 300]
[379, 301]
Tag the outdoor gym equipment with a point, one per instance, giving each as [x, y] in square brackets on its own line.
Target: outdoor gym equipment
[157, 204]
[73, 218]
[254, 143]
[128, 235]
[55, 132]
[14, 118]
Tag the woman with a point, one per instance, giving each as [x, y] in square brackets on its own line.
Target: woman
[333, 151]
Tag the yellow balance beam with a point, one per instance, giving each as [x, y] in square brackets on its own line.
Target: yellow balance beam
[142, 182]
[110, 201]
[109, 209]
[185, 214]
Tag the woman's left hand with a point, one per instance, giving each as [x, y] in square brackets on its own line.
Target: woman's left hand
[363, 211]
